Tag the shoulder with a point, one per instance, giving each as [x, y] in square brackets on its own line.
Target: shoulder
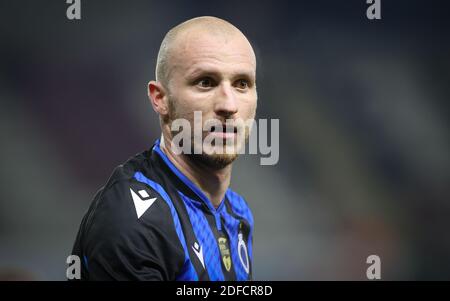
[129, 205]
[129, 227]
[130, 199]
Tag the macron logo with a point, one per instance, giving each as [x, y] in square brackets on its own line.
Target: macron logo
[142, 201]
[198, 251]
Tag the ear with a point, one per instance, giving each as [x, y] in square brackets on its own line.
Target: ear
[158, 97]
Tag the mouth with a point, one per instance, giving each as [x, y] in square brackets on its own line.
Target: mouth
[223, 131]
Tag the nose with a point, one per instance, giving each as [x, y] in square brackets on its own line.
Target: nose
[226, 103]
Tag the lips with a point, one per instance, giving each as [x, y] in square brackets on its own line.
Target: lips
[223, 132]
[223, 129]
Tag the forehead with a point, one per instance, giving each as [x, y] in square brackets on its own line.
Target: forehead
[197, 51]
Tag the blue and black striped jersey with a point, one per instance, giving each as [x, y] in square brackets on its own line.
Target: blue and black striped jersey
[150, 222]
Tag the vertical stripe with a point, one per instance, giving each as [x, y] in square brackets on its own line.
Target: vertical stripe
[206, 239]
[232, 227]
[188, 271]
[240, 208]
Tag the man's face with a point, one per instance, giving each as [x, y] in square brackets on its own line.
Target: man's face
[213, 74]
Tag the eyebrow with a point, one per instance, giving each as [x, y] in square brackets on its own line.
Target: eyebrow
[198, 71]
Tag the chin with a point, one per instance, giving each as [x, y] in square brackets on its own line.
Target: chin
[216, 161]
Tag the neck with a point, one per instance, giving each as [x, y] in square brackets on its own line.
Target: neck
[211, 181]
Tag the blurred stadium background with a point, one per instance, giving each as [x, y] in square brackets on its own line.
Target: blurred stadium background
[364, 115]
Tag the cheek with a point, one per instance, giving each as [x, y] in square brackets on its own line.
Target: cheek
[198, 101]
[247, 107]
[187, 102]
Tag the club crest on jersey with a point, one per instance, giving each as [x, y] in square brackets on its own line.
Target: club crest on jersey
[242, 251]
[225, 253]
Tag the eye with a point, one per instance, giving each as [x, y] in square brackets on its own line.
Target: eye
[242, 84]
[205, 82]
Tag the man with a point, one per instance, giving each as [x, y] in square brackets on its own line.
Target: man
[166, 215]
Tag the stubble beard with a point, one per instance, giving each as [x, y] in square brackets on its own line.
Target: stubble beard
[214, 160]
